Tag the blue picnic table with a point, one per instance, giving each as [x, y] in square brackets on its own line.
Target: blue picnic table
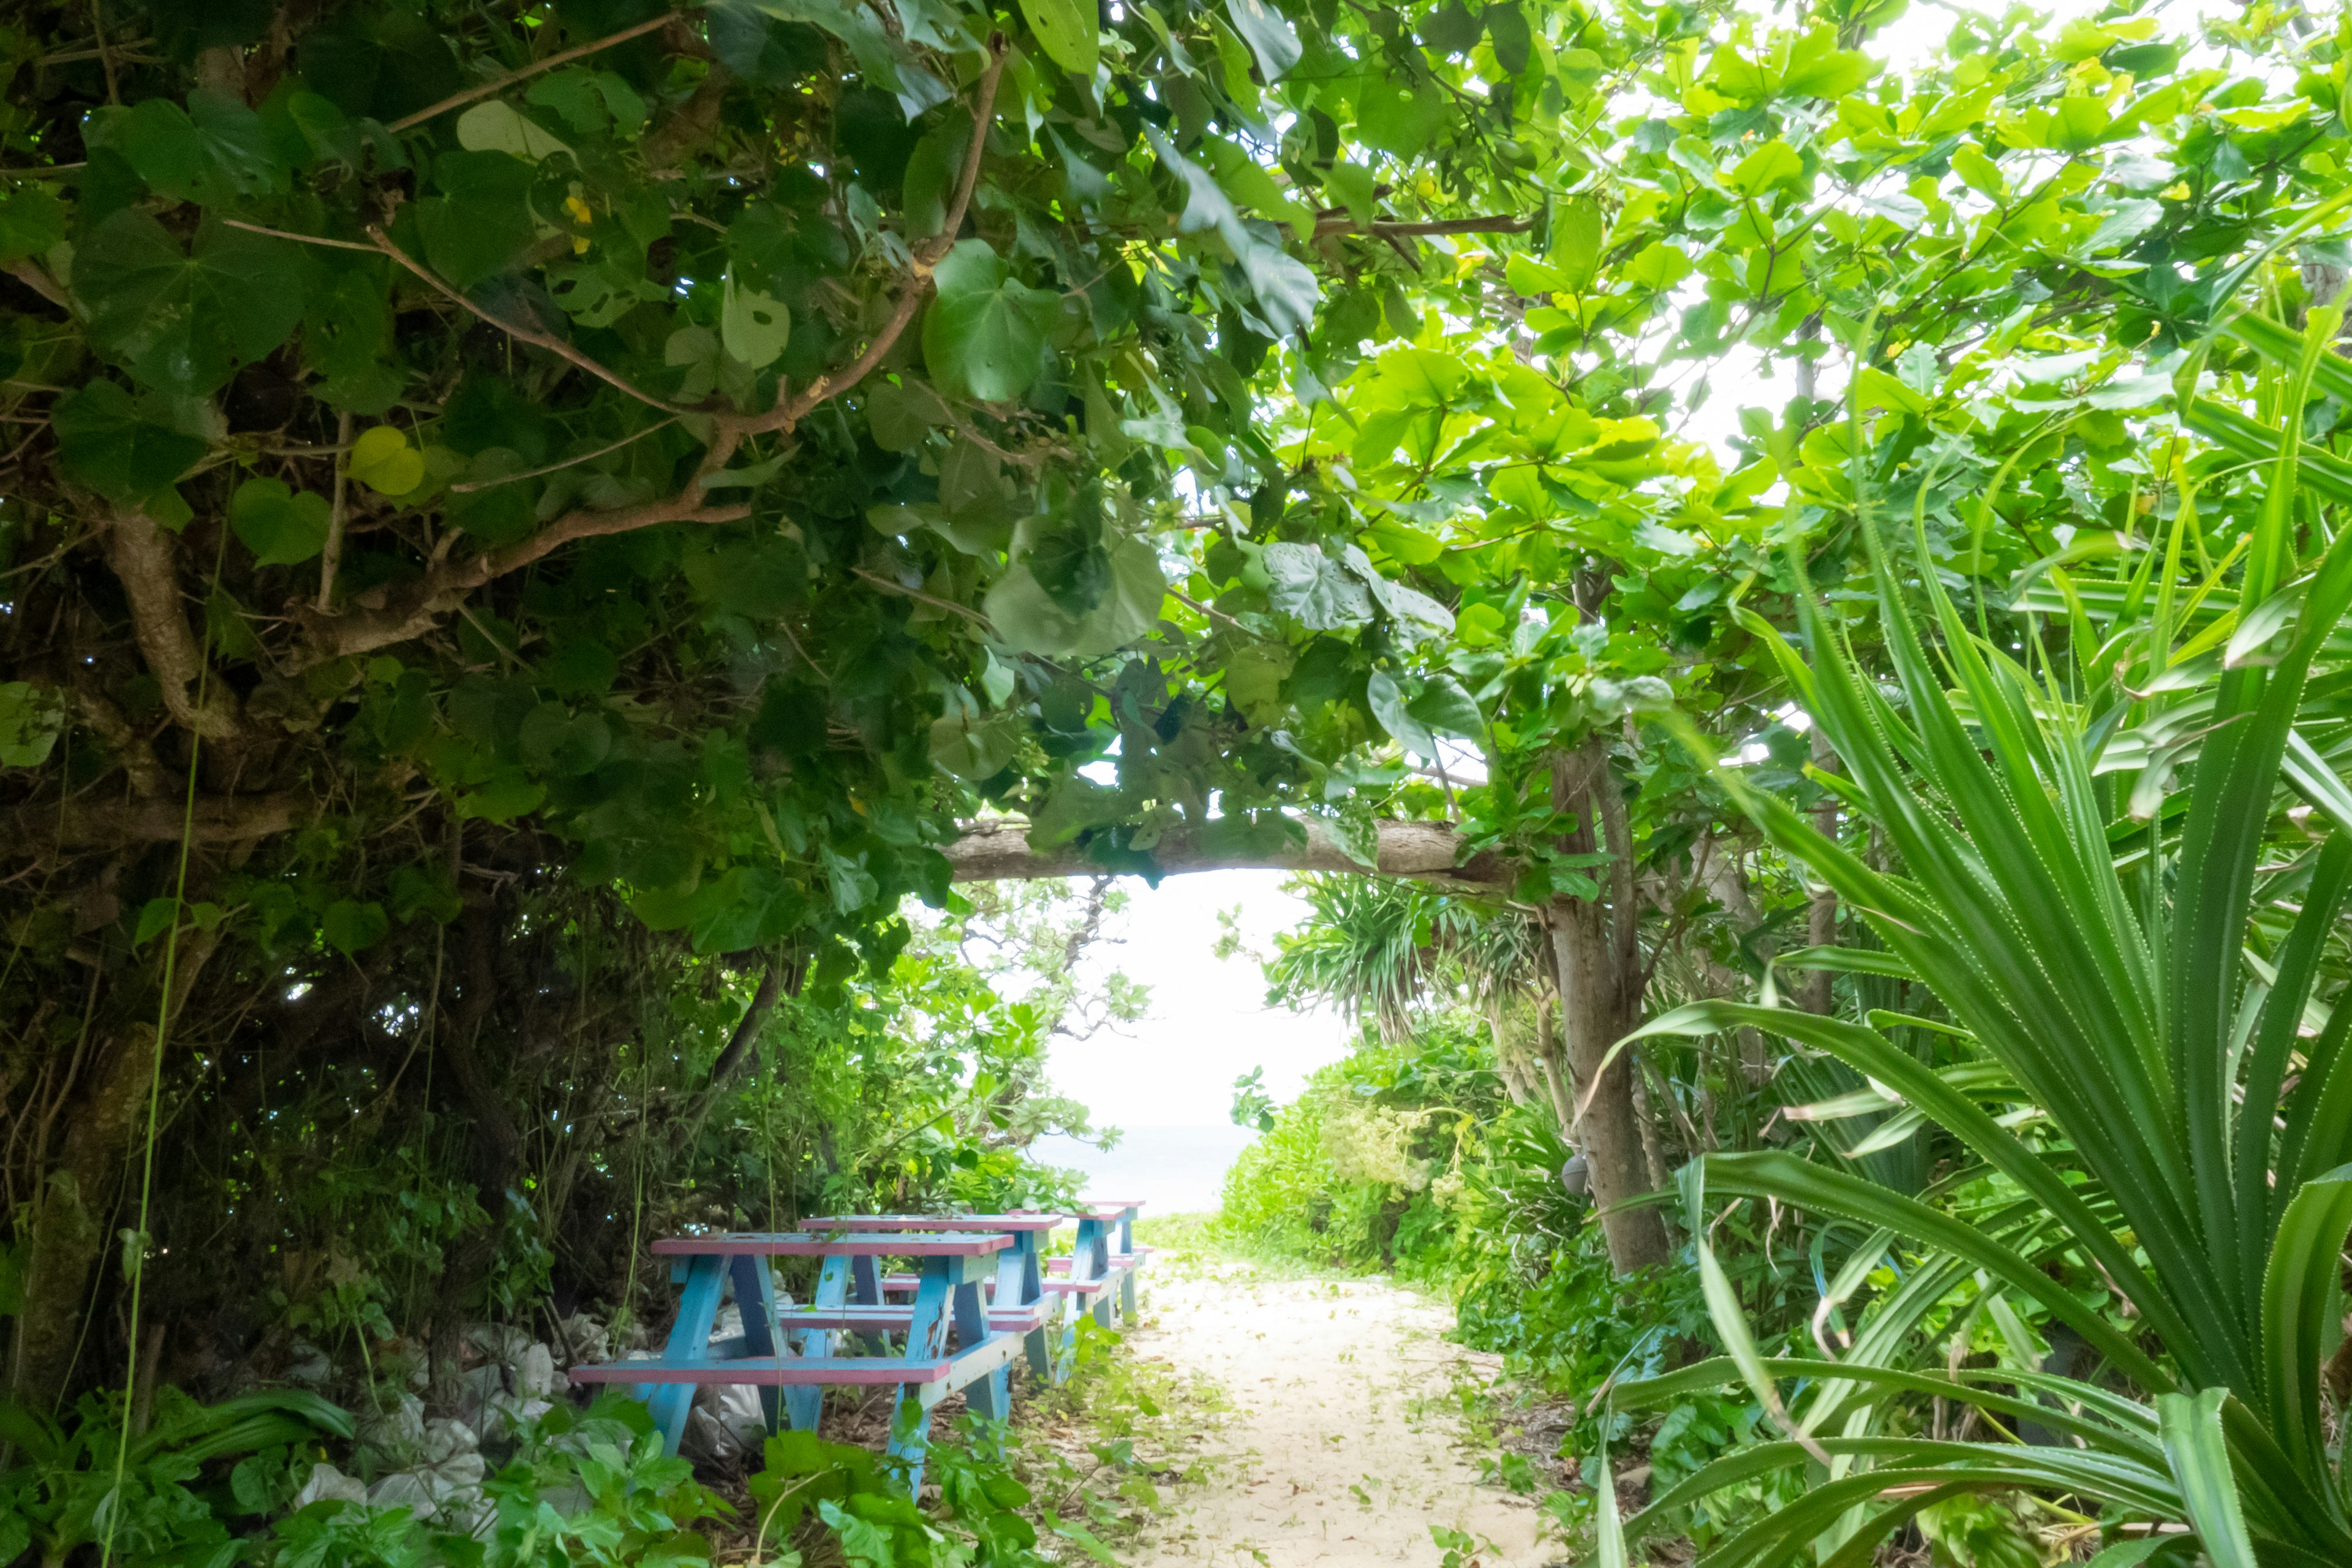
[792, 1353]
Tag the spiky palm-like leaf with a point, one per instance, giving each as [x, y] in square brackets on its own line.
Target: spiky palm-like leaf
[2197, 1137]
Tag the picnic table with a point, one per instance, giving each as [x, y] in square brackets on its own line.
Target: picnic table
[1017, 1300]
[983, 1275]
[955, 1264]
[1105, 1256]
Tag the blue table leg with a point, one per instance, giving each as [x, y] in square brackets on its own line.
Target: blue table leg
[993, 1396]
[755, 1298]
[1127, 1246]
[927, 1335]
[690, 1339]
[866, 1290]
[1021, 1281]
[1093, 1257]
[803, 1406]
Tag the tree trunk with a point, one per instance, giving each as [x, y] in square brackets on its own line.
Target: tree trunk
[498, 1154]
[1599, 965]
[67, 1232]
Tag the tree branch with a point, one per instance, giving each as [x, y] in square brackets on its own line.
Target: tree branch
[143, 559]
[122, 824]
[490, 88]
[997, 851]
[1327, 224]
[530, 335]
[409, 611]
[790, 411]
[399, 613]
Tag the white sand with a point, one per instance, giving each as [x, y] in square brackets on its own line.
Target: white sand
[1349, 1451]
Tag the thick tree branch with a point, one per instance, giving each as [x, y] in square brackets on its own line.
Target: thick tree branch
[121, 825]
[143, 559]
[999, 851]
[1327, 224]
[399, 613]
[411, 610]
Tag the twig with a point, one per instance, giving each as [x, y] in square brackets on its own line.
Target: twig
[790, 412]
[532, 335]
[305, 238]
[488, 89]
[888, 586]
[106, 61]
[331, 555]
[471, 485]
[1217, 615]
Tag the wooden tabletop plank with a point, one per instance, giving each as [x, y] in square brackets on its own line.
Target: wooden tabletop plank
[773, 1372]
[800, 1243]
[938, 1222]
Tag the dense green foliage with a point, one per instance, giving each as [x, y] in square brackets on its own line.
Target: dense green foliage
[537, 534]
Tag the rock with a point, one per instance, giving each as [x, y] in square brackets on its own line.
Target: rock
[325, 1482]
[584, 1339]
[307, 1364]
[502, 1343]
[707, 1440]
[507, 1416]
[459, 1476]
[535, 1372]
[399, 1431]
[445, 1439]
[724, 1424]
[403, 1489]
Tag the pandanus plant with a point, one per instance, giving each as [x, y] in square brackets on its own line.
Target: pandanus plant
[2154, 1084]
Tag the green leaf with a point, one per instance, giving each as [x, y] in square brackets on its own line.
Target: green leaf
[280, 526]
[1609, 1532]
[1318, 592]
[1066, 30]
[752, 327]
[1514, 40]
[30, 719]
[555, 740]
[1447, 709]
[974, 746]
[216, 152]
[155, 918]
[1388, 705]
[32, 219]
[1401, 118]
[184, 321]
[1029, 619]
[1817, 68]
[2302, 1292]
[1268, 34]
[350, 927]
[381, 460]
[481, 222]
[2201, 1464]
[106, 444]
[981, 336]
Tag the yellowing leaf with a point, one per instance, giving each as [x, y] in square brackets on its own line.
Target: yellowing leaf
[496, 127]
[382, 460]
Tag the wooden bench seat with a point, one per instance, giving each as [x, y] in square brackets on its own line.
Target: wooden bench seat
[892, 1320]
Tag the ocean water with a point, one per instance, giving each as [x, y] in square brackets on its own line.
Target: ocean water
[1171, 1170]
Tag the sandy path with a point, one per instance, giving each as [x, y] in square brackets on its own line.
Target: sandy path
[1345, 1445]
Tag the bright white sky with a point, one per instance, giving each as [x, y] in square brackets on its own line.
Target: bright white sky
[1208, 1023]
